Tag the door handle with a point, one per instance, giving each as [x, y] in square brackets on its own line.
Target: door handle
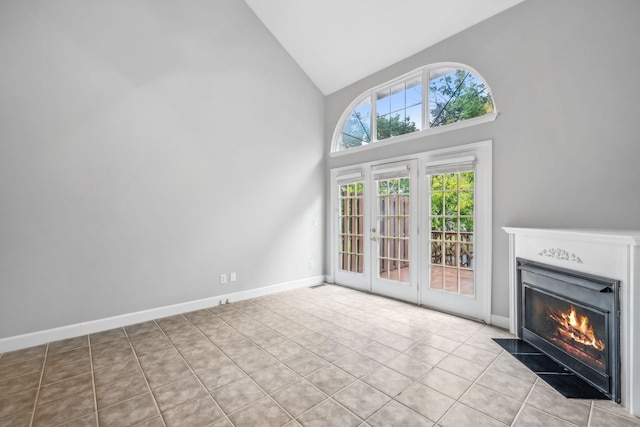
[374, 239]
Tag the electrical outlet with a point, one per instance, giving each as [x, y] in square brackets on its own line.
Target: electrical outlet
[232, 277]
[310, 265]
[223, 278]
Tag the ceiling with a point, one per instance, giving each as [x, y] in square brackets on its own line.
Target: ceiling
[338, 42]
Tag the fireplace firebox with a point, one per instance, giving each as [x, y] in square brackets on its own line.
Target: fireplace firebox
[574, 318]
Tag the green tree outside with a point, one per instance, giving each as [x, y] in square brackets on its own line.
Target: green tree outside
[458, 96]
[393, 126]
[452, 202]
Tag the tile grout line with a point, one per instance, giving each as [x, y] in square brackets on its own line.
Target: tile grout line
[475, 381]
[35, 403]
[192, 371]
[301, 376]
[331, 397]
[144, 377]
[93, 380]
[538, 379]
[311, 301]
[433, 366]
[336, 402]
[591, 408]
[228, 416]
[393, 399]
[495, 360]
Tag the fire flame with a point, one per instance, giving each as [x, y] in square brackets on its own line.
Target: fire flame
[580, 329]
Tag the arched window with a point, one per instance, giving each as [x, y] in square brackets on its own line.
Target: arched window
[435, 96]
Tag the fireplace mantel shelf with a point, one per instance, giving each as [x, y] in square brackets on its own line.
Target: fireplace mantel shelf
[625, 237]
[613, 254]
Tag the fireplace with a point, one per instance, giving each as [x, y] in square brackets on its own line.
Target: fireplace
[573, 318]
[600, 253]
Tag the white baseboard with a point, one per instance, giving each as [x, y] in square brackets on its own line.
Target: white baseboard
[42, 337]
[500, 321]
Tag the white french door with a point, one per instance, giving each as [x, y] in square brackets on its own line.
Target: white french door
[418, 229]
[394, 230]
[377, 230]
[450, 282]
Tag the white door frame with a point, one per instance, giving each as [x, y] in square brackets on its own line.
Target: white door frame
[483, 154]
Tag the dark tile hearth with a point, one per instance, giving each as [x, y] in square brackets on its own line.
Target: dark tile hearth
[561, 379]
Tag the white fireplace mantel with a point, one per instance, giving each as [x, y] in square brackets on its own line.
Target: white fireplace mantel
[609, 253]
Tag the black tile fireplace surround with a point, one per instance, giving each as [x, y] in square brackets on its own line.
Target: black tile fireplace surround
[573, 319]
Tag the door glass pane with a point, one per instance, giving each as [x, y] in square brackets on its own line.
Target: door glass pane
[451, 222]
[351, 229]
[393, 225]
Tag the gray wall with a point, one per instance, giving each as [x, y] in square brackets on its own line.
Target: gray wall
[145, 148]
[566, 150]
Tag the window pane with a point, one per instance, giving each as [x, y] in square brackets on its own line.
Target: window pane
[436, 278]
[451, 204]
[383, 103]
[413, 117]
[436, 203]
[466, 255]
[357, 129]
[451, 181]
[456, 95]
[466, 203]
[399, 109]
[414, 92]
[436, 182]
[384, 127]
[466, 225]
[451, 224]
[466, 180]
[397, 99]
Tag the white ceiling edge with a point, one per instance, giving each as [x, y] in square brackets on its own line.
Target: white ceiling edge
[338, 42]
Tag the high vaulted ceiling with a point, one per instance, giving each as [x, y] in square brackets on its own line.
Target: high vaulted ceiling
[338, 42]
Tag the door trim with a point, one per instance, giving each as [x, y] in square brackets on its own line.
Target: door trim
[483, 152]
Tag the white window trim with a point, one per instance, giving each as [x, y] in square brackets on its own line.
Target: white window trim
[425, 70]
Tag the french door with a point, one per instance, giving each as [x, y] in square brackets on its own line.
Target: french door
[377, 230]
[418, 229]
[449, 277]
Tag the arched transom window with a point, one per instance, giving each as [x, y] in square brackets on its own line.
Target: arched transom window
[435, 96]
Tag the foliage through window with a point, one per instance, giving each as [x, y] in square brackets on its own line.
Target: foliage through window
[432, 97]
[399, 109]
[455, 95]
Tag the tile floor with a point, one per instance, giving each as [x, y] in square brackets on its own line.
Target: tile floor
[328, 356]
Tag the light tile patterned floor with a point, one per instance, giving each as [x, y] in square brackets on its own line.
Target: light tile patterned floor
[328, 356]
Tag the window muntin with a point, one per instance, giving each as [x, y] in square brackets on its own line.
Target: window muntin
[393, 228]
[452, 232]
[351, 223]
[450, 93]
[399, 109]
